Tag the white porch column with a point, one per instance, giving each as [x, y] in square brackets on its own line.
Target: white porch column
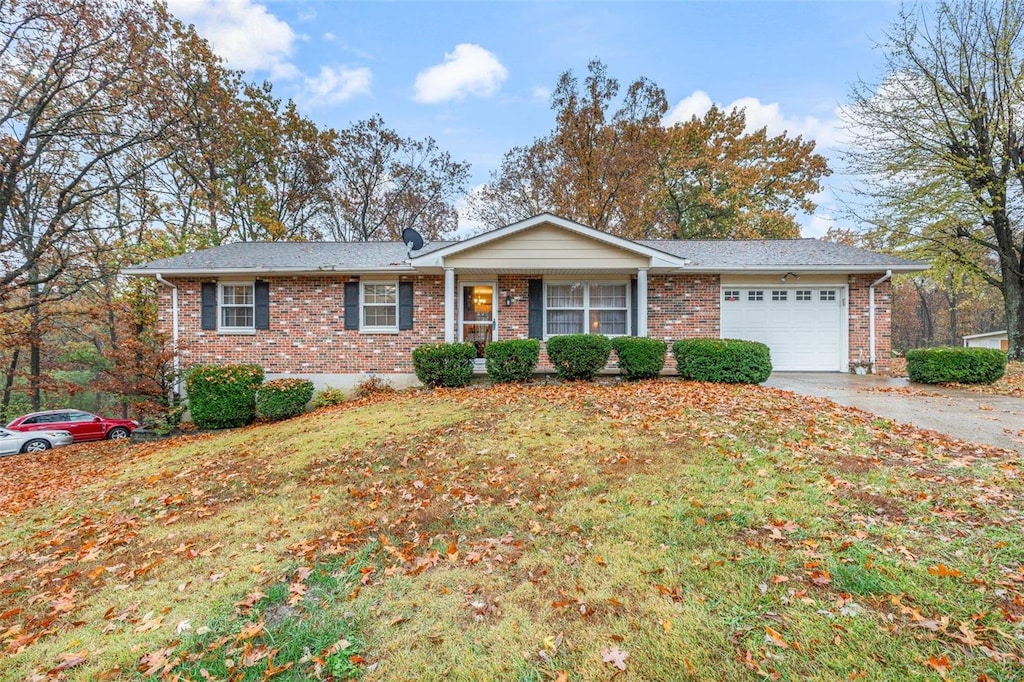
[641, 302]
[449, 305]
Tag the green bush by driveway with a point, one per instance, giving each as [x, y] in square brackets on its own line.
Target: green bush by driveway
[956, 365]
[729, 361]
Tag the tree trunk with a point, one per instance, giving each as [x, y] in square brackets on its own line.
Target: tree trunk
[1013, 300]
[12, 368]
[926, 315]
[35, 344]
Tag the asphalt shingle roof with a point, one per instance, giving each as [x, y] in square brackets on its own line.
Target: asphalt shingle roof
[348, 256]
[310, 256]
[715, 253]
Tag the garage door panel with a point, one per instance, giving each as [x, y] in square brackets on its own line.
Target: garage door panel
[803, 327]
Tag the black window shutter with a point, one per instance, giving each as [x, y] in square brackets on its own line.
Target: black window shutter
[209, 305]
[535, 289]
[261, 313]
[405, 305]
[633, 307]
[351, 305]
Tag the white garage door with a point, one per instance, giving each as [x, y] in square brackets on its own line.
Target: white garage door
[803, 326]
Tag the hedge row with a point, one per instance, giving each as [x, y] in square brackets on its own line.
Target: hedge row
[580, 357]
[227, 396]
[955, 365]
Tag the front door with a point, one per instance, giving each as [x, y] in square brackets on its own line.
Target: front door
[478, 315]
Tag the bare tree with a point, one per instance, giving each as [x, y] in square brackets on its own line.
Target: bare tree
[384, 183]
[939, 143]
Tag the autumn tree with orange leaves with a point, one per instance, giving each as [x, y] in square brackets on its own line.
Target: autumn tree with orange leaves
[612, 164]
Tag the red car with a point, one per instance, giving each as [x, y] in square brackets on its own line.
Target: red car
[82, 425]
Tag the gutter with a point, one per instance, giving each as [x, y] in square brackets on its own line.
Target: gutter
[297, 271]
[871, 315]
[175, 361]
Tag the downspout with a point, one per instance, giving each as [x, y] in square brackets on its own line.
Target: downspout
[175, 362]
[871, 316]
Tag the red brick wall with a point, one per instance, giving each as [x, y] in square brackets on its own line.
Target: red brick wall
[860, 325]
[682, 306]
[307, 332]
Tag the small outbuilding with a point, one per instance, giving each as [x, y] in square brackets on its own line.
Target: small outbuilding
[997, 340]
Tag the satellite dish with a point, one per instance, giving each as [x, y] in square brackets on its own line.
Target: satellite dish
[413, 239]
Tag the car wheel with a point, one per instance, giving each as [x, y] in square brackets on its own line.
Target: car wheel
[35, 445]
[118, 434]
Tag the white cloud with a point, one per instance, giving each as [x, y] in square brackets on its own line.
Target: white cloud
[468, 70]
[243, 32]
[827, 132]
[334, 85]
[540, 93]
[696, 104]
[817, 226]
[329, 37]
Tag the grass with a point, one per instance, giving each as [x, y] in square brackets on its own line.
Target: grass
[521, 533]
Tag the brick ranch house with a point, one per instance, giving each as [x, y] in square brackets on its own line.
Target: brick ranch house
[336, 312]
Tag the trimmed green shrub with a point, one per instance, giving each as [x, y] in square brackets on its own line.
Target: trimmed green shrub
[956, 365]
[640, 358]
[512, 360]
[328, 397]
[579, 356]
[728, 361]
[444, 364]
[283, 398]
[223, 396]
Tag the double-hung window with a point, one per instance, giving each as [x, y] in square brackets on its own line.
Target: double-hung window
[586, 308]
[379, 306]
[237, 306]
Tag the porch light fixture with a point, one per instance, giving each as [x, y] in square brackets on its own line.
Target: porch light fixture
[796, 277]
[508, 299]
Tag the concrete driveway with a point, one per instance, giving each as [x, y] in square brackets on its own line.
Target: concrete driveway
[989, 419]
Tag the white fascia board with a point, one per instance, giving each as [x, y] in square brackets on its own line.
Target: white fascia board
[658, 258]
[804, 269]
[987, 335]
[224, 272]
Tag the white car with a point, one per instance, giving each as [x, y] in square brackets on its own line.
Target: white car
[13, 442]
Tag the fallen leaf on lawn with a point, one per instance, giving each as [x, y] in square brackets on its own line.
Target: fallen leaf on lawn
[149, 623]
[69, 659]
[939, 664]
[944, 571]
[615, 656]
[562, 676]
[821, 578]
[249, 631]
[773, 636]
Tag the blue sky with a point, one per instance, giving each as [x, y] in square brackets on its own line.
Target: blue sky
[476, 75]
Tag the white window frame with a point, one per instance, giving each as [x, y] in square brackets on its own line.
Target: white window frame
[587, 283]
[221, 306]
[377, 329]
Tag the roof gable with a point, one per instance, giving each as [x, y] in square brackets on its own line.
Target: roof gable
[559, 234]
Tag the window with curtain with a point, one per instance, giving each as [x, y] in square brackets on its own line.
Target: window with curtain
[586, 308]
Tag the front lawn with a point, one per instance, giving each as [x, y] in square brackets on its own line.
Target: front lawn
[659, 530]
